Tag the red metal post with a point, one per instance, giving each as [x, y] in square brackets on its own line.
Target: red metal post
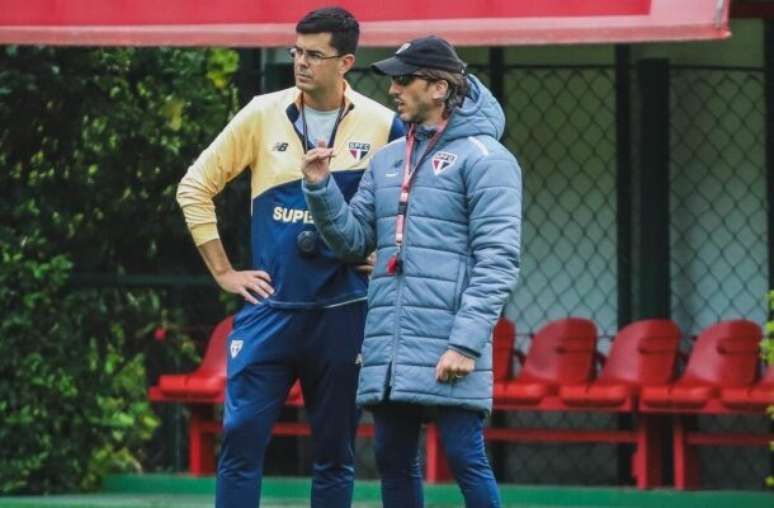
[436, 466]
[685, 461]
[646, 463]
[201, 441]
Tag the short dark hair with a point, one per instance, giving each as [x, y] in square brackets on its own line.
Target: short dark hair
[343, 27]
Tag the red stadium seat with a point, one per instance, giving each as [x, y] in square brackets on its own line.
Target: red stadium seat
[557, 376]
[208, 381]
[723, 362]
[201, 390]
[561, 353]
[755, 397]
[637, 377]
[724, 356]
[642, 354]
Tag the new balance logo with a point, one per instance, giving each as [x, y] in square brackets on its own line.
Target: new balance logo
[280, 147]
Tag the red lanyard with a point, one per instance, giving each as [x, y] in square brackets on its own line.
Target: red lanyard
[394, 263]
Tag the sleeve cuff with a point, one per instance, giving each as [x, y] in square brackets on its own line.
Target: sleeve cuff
[469, 353]
[203, 233]
[317, 185]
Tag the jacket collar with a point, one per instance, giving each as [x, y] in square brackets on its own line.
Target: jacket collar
[349, 102]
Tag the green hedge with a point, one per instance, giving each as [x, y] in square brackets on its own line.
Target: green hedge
[92, 146]
[768, 354]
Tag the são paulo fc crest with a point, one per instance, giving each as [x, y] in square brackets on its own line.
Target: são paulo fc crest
[359, 149]
[236, 347]
[443, 161]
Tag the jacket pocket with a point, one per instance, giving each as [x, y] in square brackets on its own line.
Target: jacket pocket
[461, 284]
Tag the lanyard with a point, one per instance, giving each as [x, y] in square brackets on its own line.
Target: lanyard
[335, 125]
[394, 263]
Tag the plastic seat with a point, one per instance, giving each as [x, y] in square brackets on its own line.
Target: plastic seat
[642, 354]
[756, 397]
[201, 390]
[561, 353]
[208, 381]
[725, 356]
[561, 357]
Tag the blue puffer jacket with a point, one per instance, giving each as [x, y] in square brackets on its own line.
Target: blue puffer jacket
[460, 256]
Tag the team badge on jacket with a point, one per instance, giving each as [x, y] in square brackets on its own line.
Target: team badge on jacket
[359, 149]
[236, 347]
[443, 161]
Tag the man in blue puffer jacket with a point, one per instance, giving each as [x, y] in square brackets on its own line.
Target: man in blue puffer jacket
[442, 209]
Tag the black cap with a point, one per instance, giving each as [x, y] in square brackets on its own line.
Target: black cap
[429, 52]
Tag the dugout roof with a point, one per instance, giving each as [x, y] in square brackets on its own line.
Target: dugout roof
[271, 23]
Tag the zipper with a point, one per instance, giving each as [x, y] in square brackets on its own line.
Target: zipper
[400, 281]
[395, 336]
[399, 304]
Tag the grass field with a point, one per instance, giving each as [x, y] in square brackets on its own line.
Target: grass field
[177, 491]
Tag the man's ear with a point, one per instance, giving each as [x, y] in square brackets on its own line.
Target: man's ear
[346, 63]
[440, 90]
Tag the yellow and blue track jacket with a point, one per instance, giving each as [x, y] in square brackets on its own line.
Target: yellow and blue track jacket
[265, 137]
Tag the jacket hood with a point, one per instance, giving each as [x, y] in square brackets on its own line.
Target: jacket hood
[480, 114]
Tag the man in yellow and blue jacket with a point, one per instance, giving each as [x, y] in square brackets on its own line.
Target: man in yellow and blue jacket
[305, 310]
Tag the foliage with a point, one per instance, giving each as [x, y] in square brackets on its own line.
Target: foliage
[768, 355]
[92, 146]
